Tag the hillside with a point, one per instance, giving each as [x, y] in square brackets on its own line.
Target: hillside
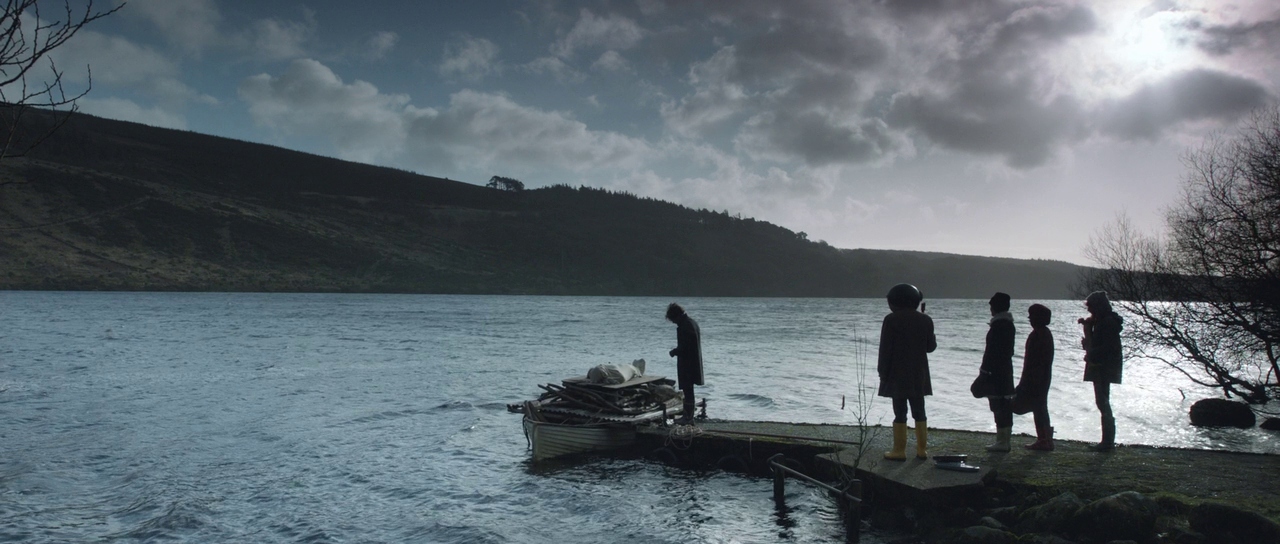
[110, 205]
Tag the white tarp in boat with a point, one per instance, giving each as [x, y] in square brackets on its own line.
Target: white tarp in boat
[610, 374]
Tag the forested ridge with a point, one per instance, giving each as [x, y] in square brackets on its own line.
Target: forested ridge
[111, 205]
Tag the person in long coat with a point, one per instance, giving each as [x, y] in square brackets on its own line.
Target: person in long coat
[906, 339]
[997, 368]
[1103, 360]
[1032, 392]
[688, 354]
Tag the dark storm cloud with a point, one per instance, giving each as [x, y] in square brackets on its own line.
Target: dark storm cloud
[994, 97]
[818, 140]
[1186, 96]
[1225, 39]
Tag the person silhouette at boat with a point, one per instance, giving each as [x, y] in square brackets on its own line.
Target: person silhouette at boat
[997, 370]
[1032, 392]
[906, 339]
[1103, 358]
[688, 354]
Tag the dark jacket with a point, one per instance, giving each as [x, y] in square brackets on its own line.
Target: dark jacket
[1102, 352]
[688, 352]
[906, 339]
[997, 358]
[1037, 368]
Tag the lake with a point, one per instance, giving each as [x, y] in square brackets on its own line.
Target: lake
[217, 417]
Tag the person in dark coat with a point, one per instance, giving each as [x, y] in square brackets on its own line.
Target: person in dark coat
[1032, 393]
[688, 354]
[997, 369]
[1103, 360]
[906, 339]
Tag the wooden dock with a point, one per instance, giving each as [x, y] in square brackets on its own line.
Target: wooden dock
[829, 452]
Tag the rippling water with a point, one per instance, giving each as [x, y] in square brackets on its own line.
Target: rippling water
[381, 418]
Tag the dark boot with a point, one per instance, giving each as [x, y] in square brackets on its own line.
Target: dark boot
[1108, 436]
[1044, 439]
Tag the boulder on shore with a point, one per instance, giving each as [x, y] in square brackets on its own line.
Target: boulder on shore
[1051, 517]
[1124, 516]
[1222, 413]
[1271, 424]
[1224, 523]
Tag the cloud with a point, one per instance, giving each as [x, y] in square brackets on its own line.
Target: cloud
[127, 110]
[475, 130]
[611, 61]
[555, 68]
[1185, 96]
[308, 98]
[379, 45]
[115, 62]
[469, 58]
[190, 25]
[1222, 38]
[491, 129]
[610, 32]
[274, 40]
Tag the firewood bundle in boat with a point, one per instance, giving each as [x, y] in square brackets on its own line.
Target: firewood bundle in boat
[633, 399]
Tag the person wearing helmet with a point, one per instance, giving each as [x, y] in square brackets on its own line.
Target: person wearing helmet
[906, 339]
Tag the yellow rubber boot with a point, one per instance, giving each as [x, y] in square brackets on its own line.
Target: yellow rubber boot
[922, 439]
[899, 452]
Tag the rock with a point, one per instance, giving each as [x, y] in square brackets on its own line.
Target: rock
[1271, 424]
[1228, 524]
[1124, 516]
[1222, 413]
[993, 523]
[1007, 515]
[1050, 517]
[1044, 539]
[975, 535]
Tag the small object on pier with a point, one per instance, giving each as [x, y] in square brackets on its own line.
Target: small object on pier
[954, 462]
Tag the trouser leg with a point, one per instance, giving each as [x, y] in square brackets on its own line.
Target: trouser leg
[1004, 423]
[900, 409]
[689, 404]
[1102, 397]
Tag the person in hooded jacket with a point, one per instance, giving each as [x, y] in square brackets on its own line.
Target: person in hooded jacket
[906, 339]
[997, 367]
[1103, 360]
[1032, 393]
[688, 354]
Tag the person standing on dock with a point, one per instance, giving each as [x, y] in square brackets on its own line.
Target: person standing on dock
[688, 354]
[997, 367]
[1032, 393]
[1103, 359]
[906, 339]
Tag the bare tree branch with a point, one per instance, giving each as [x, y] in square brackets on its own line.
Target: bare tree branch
[1206, 296]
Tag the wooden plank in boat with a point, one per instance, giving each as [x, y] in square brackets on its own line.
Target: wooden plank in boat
[638, 380]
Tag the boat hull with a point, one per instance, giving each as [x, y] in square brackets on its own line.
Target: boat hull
[555, 439]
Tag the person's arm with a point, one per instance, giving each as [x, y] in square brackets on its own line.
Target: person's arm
[885, 356]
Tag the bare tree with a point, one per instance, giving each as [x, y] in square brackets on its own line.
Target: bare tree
[1205, 296]
[29, 31]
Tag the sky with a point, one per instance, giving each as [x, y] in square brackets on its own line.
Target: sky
[982, 127]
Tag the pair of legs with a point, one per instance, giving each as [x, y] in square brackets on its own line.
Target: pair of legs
[1102, 397]
[1003, 410]
[900, 406]
[689, 404]
[1044, 430]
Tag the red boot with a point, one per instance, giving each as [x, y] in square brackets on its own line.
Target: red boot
[1044, 440]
